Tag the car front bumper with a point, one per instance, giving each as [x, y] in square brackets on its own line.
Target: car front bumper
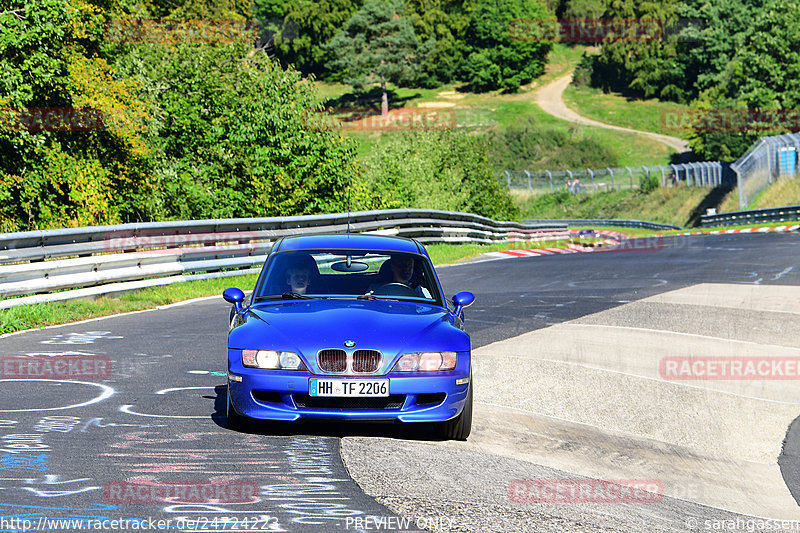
[284, 395]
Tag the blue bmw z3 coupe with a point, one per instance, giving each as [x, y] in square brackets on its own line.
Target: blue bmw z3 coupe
[349, 327]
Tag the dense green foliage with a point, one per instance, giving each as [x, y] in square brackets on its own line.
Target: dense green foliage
[444, 169]
[735, 55]
[190, 130]
[442, 23]
[199, 127]
[454, 40]
[49, 59]
[531, 145]
[496, 59]
[301, 28]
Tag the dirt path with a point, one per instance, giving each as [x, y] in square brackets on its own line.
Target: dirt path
[550, 100]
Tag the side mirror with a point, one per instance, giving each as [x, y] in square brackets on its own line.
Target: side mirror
[234, 296]
[461, 300]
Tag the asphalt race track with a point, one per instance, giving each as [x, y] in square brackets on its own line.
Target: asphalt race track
[141, 435]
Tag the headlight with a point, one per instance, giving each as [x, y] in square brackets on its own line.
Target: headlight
[272, 360]
[426, 362]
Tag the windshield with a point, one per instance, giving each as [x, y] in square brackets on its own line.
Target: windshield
[348, 274]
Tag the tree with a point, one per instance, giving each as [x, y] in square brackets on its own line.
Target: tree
[230, 135]
[303, 27]
[443, 22]
[54, 177]
[762, 76]
[435, 169]
[496, 59]
[378, 44]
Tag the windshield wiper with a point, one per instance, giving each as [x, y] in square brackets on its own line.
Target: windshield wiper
[295, 296]
[367, 296]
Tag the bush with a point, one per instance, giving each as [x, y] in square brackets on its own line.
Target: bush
[530, 145]
[435, 170]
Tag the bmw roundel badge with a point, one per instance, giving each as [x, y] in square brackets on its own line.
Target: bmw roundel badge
[349, 344]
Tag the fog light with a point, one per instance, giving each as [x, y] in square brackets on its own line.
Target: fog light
[234, 377]
[462, 381]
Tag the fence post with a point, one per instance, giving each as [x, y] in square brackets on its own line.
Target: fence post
[591, 174]
[529, 181]
[508, 178]
[630, 174]
[769, 159]
[549, 175]
[739, 186]
[663, 176]
[611, 173]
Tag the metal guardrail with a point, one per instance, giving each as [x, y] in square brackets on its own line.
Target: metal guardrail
[752, 216]
[99, 260]
[604, 222]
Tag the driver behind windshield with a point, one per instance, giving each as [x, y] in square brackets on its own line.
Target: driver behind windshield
[403, 272]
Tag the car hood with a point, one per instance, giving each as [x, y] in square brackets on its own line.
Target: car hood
[307, 326]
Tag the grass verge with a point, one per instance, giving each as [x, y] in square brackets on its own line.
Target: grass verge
[52, 313]
[668, 205]
[785, 191]
[645, 115]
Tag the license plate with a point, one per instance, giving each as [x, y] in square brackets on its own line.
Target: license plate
[349, 388]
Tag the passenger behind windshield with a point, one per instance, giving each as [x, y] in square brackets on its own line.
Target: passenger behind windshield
[298, 278]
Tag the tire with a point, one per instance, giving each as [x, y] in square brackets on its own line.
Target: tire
[236, 421]
[459, 427]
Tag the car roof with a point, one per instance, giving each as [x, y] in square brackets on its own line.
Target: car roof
[349, 242]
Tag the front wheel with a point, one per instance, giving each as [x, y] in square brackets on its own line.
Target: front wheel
[459, 427]
[236, 421]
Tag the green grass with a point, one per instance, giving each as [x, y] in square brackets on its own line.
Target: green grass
[669, 205]
[644, 115]
[497, 110]
[47, 314]
[785, 191]
[561, 60]
[500, 110]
